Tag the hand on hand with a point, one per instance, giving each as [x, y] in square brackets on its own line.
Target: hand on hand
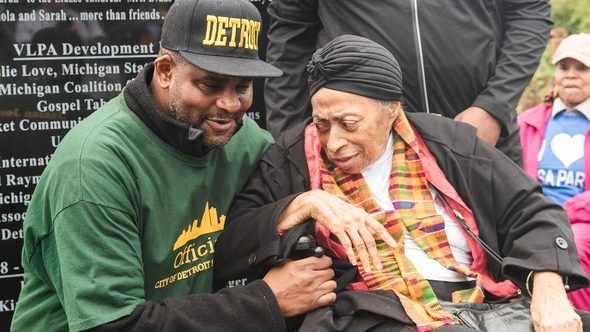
[302, 285]
[550, 307]
[488, 127]
[355, 229]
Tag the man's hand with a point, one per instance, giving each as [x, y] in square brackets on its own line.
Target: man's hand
[488, 128]
[353, 227]
[302, 285]
[550, 308]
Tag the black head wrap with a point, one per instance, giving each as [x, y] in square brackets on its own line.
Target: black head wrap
[356, 65]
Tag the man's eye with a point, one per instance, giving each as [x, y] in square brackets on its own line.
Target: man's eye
[210, 87]
[243, 88]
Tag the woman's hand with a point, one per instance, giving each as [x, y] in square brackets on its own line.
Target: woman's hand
[353, 227]
[550, 308]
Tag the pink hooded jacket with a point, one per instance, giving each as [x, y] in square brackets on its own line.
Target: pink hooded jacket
[532, 129]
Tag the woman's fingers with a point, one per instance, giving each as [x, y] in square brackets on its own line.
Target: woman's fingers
[360, 248]
[371, 246]
[346, 243]
[355, 229]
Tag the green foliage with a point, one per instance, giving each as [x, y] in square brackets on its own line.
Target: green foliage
[574, 17]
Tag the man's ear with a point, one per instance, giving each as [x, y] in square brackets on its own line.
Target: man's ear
[163, 71]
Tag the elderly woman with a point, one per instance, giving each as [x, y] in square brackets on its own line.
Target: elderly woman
[393, 194]
[555, 138]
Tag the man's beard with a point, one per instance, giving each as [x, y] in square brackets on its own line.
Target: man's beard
[196, 118]
[213, 138]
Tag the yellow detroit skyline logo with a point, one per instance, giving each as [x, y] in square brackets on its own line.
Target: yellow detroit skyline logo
[209, 223]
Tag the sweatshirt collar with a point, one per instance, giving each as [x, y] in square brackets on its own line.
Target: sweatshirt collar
[559, 106]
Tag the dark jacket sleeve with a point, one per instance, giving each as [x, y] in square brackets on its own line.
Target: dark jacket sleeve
[513, 216]
[292, 34]
[250, 235]
[533, 232]
[249, 308]
[527, 25]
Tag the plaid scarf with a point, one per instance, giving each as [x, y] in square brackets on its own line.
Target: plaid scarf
[415, 213]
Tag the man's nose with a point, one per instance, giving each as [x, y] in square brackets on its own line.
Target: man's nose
[229, 101]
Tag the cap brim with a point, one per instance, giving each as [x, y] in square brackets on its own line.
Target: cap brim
[231, 66]
[574, 55]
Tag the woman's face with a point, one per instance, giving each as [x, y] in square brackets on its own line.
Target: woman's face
[352, 129]
[572, 81]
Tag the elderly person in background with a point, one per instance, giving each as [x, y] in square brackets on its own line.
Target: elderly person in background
[556, 140]
[362, 164]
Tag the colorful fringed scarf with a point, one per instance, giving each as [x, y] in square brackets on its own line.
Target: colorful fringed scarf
[415, 213]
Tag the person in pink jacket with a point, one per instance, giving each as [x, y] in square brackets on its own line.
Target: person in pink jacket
[555, 138]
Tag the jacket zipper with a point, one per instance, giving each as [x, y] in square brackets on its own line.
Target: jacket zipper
[420, 56]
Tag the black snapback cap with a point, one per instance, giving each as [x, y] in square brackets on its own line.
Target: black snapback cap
[219, 36]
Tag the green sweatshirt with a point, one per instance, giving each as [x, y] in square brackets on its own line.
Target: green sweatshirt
[120, 217]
